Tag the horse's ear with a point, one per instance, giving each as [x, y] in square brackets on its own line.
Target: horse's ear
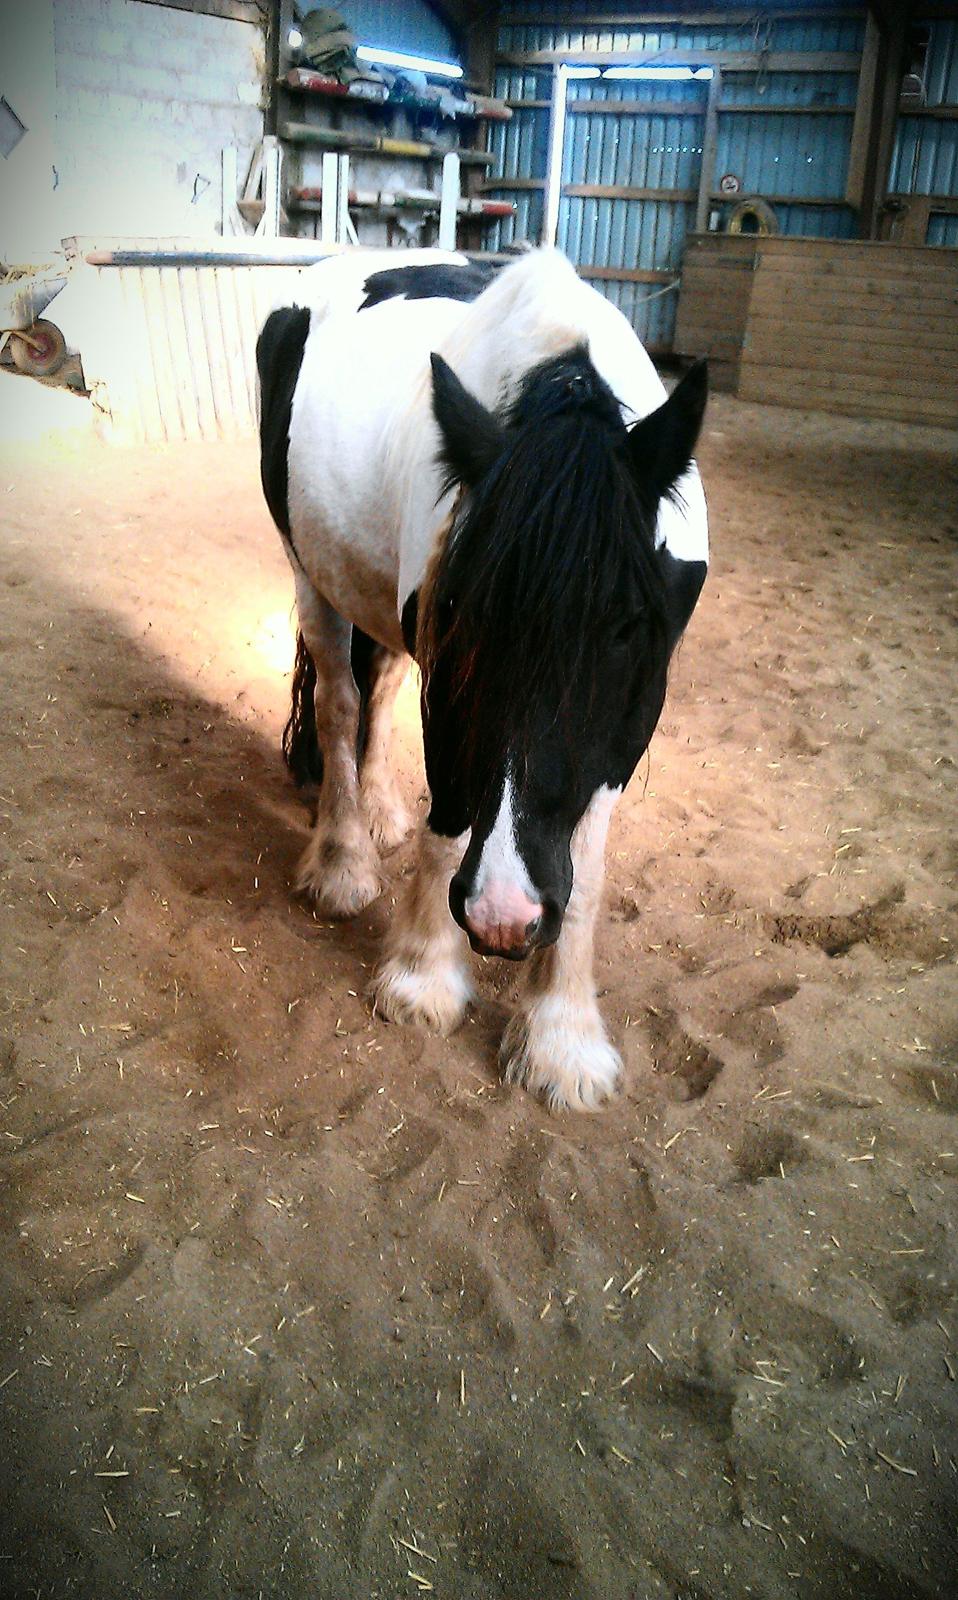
[471, 436]
[662, 445]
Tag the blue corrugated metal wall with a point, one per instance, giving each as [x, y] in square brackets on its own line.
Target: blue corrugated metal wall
[798, 160]
[925, 157]
[412, 26]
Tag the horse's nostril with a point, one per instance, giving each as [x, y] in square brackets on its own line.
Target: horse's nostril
[532, 929]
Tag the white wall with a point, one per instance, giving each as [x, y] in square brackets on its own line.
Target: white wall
[146, 96]
[28, 228]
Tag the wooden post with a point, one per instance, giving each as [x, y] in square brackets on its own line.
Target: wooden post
[330, 212]
[709, 145]
[862, 129]
[268, 225]
[877, 160]
[279, 22]
[552, 188]
[449, 201]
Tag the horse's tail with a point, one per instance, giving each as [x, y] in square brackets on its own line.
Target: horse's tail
[301, 749]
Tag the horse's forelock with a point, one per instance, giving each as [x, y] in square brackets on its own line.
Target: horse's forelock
[552, 545]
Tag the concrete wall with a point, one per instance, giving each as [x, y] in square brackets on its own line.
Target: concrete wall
[146, 98]
[27, 81]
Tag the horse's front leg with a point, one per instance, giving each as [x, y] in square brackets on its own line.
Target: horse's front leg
[340, 866]
[556, 1044]
[388, 819]
[424, 977]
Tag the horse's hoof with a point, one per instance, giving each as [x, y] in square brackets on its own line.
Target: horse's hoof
[561, 1056]
[435, 999]
[340, 880]
[389, 821]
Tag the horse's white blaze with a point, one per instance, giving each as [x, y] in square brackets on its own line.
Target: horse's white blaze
[501, 869]
[555, 1044]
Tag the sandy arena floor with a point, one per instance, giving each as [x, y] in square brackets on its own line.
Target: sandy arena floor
[298, 1304]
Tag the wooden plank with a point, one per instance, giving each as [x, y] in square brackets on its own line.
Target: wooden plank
[850, 376]
[512, 183]
[612, 191]
[900, 261]
[789, 389]
[676, 14]
[636, 108]
[730, 60]
[853, 356]
[853, 329]
[624, 274]
[770, 279]
[938, 202]
[231, 10]
[887, 300]
[788, 199]
[769, 109]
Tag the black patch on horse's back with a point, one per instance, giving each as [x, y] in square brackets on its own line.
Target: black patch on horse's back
[444, 281]
[279, 356]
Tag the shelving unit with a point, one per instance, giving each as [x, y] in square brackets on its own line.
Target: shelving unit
[395, 147]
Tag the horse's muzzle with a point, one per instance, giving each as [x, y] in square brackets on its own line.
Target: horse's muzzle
[503, 921]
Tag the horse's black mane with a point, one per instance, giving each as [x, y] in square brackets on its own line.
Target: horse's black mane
[555, 551]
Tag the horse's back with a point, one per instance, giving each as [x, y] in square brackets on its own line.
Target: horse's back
[360, 377]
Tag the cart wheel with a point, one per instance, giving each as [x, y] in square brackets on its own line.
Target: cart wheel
[45, 355]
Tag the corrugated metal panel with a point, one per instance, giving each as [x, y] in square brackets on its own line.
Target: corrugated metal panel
[647, 234]
[525, 225]
[804, 157]
[943, 229]
[941, 66]
[650, 311]
[819, 33]
[790, 89]
[648, 152]
[169, 352]
[413, 27]
[925, 159]
[785, 154]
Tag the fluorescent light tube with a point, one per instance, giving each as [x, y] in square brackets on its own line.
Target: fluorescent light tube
[398, 58]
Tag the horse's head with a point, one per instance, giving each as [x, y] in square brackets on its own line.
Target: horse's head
[546, 629]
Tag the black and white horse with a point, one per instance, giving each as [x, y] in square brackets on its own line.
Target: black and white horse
[479, 469]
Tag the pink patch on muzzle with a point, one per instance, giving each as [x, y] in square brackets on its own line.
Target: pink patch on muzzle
[503, 918]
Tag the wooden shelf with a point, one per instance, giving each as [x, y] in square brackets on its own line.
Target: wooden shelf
[376, 144]
[384, 203]
[304, 80]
